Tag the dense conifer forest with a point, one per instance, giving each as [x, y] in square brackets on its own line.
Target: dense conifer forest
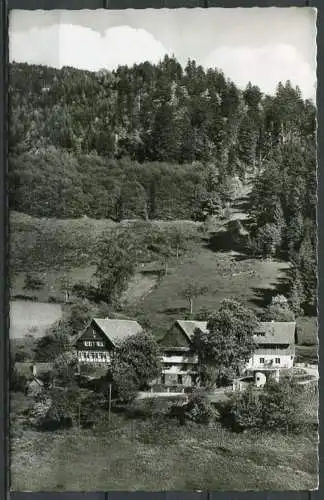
[166, 142]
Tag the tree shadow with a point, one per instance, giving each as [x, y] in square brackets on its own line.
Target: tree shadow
[170, 311]
[243, 204]
[264, 296]
[229, 241]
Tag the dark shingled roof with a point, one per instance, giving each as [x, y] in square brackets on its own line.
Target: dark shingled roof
[189, 327]
[275, 332]
[118, 329]
[271, 332]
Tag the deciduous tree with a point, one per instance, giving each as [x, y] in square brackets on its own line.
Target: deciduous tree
[135, 363]
[228, 343]
[191, 291]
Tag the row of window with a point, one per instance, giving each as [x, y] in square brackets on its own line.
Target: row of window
[94, 355]
[262, 361]
[92, 343]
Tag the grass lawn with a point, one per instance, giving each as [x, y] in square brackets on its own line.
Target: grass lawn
[52, 286]
[307, 331]
[306, 354]
[32, 318]
[141, 456]
[225, 276]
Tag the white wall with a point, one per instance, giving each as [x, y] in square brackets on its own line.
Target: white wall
[286, 361]
[180, 359]
[179, 364]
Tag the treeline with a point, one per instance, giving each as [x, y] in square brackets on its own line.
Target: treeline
[283, 211]
[55, 183]
[150, 141]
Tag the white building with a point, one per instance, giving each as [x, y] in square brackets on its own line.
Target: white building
[275, 351]
[275, 348]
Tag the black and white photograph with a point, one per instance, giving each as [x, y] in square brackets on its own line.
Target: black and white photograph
[162, 188]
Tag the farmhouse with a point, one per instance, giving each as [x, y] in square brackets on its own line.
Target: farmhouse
[275, 350]
[179, 367]
[95, 343]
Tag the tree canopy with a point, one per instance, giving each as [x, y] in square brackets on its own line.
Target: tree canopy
[135, 363]
[228, 343]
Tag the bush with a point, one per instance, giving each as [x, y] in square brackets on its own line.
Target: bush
[151, 408]
[86, 291]
[38, 412]
[33, 281]
[199, 410]
[279, 310]
[17, 382]
[275, 408]
[243, 411]
[280, 402]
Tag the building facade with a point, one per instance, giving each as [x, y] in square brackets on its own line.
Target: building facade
[96, 343]
[274, 351]
[179, 366]
[275, 348]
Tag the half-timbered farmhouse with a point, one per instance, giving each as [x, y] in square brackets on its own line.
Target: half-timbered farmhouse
[98, 340]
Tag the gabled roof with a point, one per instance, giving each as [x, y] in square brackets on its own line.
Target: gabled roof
[275, 332]
[117, 329]
[189, 327]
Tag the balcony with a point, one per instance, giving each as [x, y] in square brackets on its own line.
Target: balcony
[268, 366]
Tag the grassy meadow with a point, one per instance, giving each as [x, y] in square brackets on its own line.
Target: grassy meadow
[152, 456]
[32, 318]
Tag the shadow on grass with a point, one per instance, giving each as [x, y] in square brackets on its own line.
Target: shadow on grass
[170, 311]
[243, 205]
[264, 296]
[229, 241]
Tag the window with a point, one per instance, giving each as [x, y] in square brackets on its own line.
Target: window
[261, 360]
[277, 361]
[163, 379]
[179, 379]
[100, 344]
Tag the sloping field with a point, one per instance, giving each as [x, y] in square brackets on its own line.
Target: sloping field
[143, 457]
[33, 318]
[223, 274]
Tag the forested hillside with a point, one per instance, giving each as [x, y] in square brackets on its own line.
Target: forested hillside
[163, 142]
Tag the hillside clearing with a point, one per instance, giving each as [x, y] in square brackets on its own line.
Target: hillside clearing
[32, 318]
[124, 458]
[225, 277]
